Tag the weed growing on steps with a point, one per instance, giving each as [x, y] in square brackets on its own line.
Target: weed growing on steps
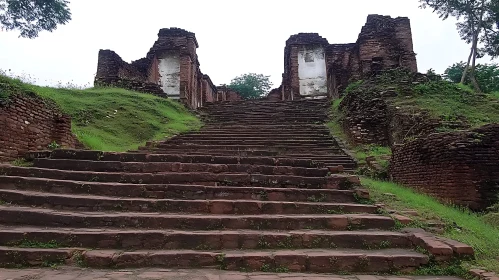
[222, 265]
[25, 243]
[269, 268]
[79, 259]
[21, 162]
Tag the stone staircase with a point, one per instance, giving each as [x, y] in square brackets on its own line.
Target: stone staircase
[262, 187]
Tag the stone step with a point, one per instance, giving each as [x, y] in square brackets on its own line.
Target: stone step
[261, 130]
[250, 142]
[195, 192]
[307, 260]
[143, 239]
[254, 137]
[145, 157]
[243, 153]
[329, 147]
[16, 215]
[203, 178]
[173, 148]
[218, 206]
[156, 167]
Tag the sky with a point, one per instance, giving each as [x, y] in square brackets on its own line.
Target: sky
[235, 36]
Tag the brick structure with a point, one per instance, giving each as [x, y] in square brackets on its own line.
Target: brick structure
[224, 93]
[28, 124]
[170, 69]
[313, 68]
[461, 167]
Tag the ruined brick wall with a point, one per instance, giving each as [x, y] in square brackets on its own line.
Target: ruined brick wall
[30, 123]
[342, 65]
[170, 69]
[226, 94]
[296, 45]
[209, 90]
[384, 43]
[233, 96]
[370, 118]
[461, 168]
[365, 119]
[113, 71]
[275, 94]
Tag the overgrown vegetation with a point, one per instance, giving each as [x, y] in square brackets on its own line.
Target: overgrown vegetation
[111, 119]
[431, 93]
[447, 101]
[461, 224]
[487, 75]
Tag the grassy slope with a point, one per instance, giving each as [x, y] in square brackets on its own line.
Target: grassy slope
[113, 119]
[451, 101]
[471, 228]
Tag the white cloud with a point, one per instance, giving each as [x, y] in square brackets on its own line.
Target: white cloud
[235, 37]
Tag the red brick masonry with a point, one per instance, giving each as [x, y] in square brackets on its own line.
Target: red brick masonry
[457, 167]
[30, 123]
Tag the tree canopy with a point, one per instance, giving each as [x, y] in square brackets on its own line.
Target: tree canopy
[32, 16]
[251, 85]
[478, 25]
[487, 75]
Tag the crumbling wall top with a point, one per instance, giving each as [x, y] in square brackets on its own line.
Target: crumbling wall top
[379, 25]
[306, 39]
[177, 32]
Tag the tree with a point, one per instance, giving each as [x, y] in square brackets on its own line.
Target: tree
[251, 85]
[478, 25]
[487, 75]
[32, 16]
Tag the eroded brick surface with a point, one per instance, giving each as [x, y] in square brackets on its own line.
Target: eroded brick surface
[27, 123]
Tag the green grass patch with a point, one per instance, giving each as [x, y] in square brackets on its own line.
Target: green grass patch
[380, 153]
[454, 102]
[22, 162]
[464, 225]
[36, 244]
[112, 119]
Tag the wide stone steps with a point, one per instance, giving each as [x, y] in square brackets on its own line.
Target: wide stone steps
[147, 157]
[130, 239]
[261, 187]
[251, 143]
[177, 191]
[203, 178]
[157, 167]
[17, 215]
[218, 206]
[308, 260]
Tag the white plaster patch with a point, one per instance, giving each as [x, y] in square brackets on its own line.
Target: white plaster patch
[169, 70]
[312, 71]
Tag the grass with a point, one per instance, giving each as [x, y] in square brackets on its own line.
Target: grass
[111, 119]
[35, 244]
[380, 153]
[441, 99]
[464, 226]
[453, 102]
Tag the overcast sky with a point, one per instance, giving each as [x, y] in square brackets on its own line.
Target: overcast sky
[235, 36]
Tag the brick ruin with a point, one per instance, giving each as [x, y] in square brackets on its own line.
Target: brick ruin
[460, 167]
[313, 68]
[170, 69]
[29, 123]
